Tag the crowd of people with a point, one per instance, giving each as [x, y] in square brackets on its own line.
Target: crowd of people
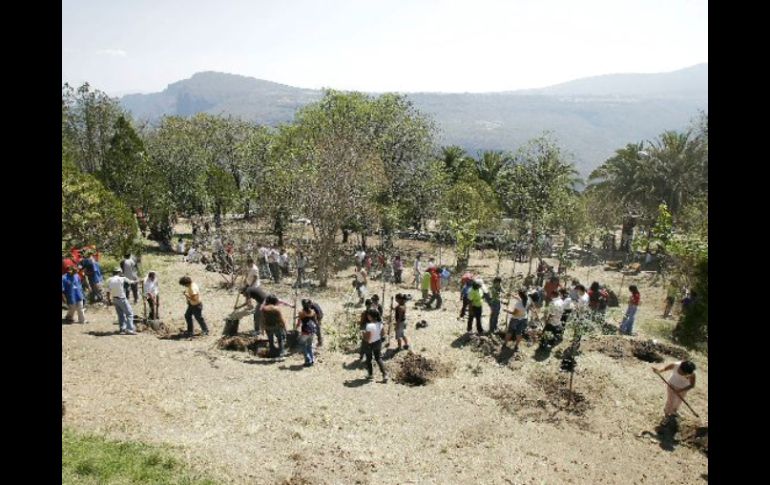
[556, 302]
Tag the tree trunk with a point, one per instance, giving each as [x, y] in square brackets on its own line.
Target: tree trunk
[345, 236]
[363, 240]
[218, 216]
[531, 249]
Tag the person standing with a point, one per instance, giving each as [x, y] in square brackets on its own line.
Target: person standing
[151, 293]
[435, 288]
[360, 284]
[307, 326]
[398, 269]
[475, 299]
[252, 277]
[519, 320]
[275, 325]
[93, 272]
[671, 293]
[192, 294]
[466, 283]
[400, 315]
[116, 292]
[72, 295]
[372, 335]
[284, 262]
[360, 256]
[301, 264]
[319, 318]
[275, 269]
[418, 273]
[682, 380]
[495, 304]
[425, 286]
[131, 272]
[627, 326]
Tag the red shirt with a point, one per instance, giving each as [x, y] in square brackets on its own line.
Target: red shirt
[635, 299]
[435, 282]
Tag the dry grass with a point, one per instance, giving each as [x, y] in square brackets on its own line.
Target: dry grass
[246, 419]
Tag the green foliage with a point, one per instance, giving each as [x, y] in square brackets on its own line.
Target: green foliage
[88, 121]
[470, 206]
[88, 459]
[91, 214]
[692, 328]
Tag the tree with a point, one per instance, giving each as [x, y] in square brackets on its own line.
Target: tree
[470, 206]
[337, 162]
[91, 214]
[536, 187]
[88, 121]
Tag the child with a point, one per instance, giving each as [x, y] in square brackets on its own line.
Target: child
[401, 321]
[682, 380]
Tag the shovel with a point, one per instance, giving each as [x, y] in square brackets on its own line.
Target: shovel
[677, 393]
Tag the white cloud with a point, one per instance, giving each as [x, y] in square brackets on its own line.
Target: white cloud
[113, 52]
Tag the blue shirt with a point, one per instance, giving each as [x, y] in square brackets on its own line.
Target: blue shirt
[93, 270]
[72, 288]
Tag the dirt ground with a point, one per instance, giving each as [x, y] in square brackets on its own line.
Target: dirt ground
[249, 419]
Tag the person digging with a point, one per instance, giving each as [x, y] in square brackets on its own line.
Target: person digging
[681, 381]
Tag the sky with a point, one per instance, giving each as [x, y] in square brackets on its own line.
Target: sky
[132, 46]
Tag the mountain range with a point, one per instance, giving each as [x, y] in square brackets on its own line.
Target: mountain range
[590, 117]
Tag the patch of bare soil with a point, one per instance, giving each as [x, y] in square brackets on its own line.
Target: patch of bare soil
[624, 348]
[417, 370]
[695, 437]
[548, 400]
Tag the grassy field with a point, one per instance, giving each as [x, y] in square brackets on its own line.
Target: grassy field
[90, 459]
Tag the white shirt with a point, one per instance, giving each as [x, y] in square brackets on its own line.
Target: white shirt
[555, 310]
[375, 331]
[129, 269]
[193, 256]
[676, 380]
[284, 259]
[115, 286]
[521, 310]
[273, 256]
[180, 247]
[360, 255]
[151, 287]
[569, 304]
[582, 302]
[252, 278]
[417, 265]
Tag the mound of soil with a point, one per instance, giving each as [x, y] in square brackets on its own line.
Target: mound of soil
[237, 343]
[646, 350]
[490, 345]
[416, 370]
[159, 329]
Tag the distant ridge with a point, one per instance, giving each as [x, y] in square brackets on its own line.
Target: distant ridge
[591, 117]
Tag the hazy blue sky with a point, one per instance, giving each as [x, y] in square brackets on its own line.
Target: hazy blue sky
[377, 45]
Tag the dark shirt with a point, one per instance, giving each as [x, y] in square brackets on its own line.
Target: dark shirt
[256, 293]
[272, 317]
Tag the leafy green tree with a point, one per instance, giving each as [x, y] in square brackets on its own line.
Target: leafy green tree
[88, 121]
[692, 328]
[536, 187]
[91, 214]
